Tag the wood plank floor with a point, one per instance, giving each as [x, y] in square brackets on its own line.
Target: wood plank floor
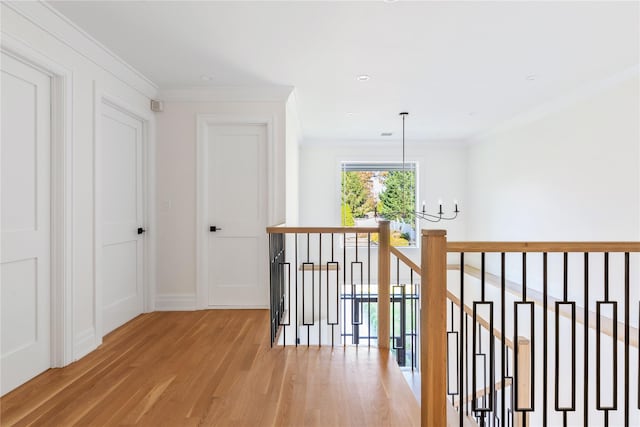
[216, 367]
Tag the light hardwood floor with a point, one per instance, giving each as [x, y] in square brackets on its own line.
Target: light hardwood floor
[215, 368]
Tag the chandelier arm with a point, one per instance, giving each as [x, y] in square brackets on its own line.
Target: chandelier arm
[430, 220]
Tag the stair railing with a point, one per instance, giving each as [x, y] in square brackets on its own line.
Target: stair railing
[546, 387]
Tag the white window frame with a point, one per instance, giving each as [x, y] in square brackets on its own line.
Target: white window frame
[411, 165]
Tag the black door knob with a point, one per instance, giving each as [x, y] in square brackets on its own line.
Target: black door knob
[141, 230]
[213, 228]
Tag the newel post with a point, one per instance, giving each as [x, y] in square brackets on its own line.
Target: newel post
[433, 327]
[384, 284]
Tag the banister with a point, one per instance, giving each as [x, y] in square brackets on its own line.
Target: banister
[543, 246]
[402, 257]
[281, 229]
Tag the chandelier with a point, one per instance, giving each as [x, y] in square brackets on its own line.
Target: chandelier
[422, 214]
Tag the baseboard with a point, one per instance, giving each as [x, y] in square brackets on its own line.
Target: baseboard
[176, 302]
[84, 343]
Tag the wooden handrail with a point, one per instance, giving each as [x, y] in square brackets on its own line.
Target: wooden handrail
[543, 246]
[338, 230]
[402, 257]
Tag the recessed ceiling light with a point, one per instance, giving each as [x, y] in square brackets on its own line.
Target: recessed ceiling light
[386, 134]
[364, 77]
[349, 114]
[390, 1]
[531, 77]
[206, 78]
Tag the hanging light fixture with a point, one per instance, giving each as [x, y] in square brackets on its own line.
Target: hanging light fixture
[422, 214]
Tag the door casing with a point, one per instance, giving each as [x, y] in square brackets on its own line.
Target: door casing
[62, 204]
[148, 185]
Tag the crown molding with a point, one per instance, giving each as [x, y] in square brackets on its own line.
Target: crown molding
[560, 103]
[227, 94]
[387, 144]
[45, 17]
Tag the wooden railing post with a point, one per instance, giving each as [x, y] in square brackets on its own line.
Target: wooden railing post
[384, 284]
[433, 329]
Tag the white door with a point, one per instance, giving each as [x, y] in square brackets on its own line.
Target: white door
[122, 198]
[237, 183]
[26, 237]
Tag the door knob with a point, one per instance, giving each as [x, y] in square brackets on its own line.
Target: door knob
[213, 228]
[141, 230]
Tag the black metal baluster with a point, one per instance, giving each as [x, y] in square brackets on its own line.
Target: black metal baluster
[337, 265]
[586, 339]
[599, 304]
[627, 320]
[486, 409]
[503, 333]
[271, 260]
[344, 289]
[558, 304]
[452, 333]
[369, 289]
[466, 365]
[545, 327]
[320, 289]
[516, 372]
[462, 397]
[413, 322]
[356, 320]
[304, 292]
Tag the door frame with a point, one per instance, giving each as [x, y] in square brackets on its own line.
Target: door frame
[147, 118]
[62, 203]
[203, 121]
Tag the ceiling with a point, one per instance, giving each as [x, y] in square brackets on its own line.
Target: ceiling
[459, 68]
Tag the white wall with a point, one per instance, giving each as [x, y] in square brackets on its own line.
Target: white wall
[573, 174]
[34, 28]
[176, 186]
[292, 159]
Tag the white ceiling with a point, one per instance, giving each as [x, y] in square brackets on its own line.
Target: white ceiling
[459, 68]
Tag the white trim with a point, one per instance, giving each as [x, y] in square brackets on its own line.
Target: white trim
[202, 190]
[382, 143]
[61, 195]
[85, 343]
[227, 94]
[50, 20]
[148, 141]
[176, 302]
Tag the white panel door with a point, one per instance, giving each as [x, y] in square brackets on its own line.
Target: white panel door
[26, 214]
[237, 184]
[122, 214]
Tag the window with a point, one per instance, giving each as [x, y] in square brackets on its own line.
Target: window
[381, 189]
